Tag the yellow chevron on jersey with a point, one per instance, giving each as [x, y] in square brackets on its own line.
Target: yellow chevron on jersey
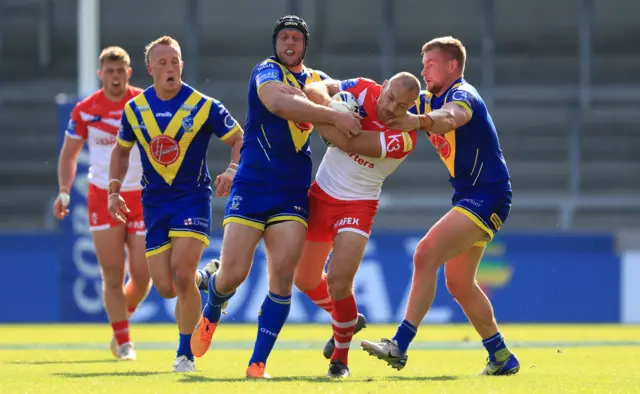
[299, 131]
[169, 171]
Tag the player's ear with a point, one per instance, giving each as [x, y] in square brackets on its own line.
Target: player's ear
[149, 69]
[99, 72]
[129, 72]
[384, 84]
[181, 65]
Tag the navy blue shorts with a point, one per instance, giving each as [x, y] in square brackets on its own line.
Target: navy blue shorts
[258, 208]
[187, 217]
[488, 209]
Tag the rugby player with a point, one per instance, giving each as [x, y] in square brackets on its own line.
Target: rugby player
[96, 120]
[268, 199]
[343, 200]
[460, 128]
[172, 124]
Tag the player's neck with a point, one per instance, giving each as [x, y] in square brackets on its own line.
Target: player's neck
[448, 85]
[116, 98]
[296, 69]
[164, 94]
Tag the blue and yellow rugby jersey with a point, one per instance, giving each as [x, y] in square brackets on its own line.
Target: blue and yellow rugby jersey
[275, 152]
[472, 152]
[173, 137]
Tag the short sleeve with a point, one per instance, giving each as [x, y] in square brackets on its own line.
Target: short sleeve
[463, 97]
[397, 144]
[220, 120]
[126, 136]
[267, 72]
[76, 128]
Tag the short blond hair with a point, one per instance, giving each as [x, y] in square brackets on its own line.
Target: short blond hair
[164, 40]
[114, 54]
[451, 46]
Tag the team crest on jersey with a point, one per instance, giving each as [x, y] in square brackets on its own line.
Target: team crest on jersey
[303, 126]
[187, 124]
[441, 144]
[164, 150]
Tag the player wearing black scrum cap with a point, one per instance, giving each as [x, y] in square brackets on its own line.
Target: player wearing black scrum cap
[268, 198]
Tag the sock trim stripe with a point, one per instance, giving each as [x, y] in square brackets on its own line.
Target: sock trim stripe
[325, 301]
[281, 301]
[342, 345]
[344, 324]
[491, 339]
[410, 327]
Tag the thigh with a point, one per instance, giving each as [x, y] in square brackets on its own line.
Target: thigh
[309, 271]
[191, 219]
[138, 267]
[463, 267]
[109, 244]
[186, 253]
[283, 242]
[161, 272]
[135, 217]
[452, 235]
[487, 209]
[348, 250]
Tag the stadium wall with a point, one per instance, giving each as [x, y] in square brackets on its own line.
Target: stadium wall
[530, 278]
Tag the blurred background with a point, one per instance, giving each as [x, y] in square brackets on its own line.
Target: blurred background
[561, 79]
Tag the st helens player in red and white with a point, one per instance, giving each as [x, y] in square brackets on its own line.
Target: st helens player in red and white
[96, 120]
[343, 200]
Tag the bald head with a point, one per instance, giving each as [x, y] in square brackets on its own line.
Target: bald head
[406, 81]
[398, 95]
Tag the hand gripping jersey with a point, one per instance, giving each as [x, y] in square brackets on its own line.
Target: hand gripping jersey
[349, 176]
[97, 120]
[275, 152]
[472, 152]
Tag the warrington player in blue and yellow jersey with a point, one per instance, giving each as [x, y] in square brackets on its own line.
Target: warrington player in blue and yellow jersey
[462, 131]
[172, 124]
[269, 193]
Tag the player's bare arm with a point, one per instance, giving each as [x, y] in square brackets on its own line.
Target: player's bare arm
[321, 92]
[223, 181]
[67, 165]
[118, 166]
[367, 143]
[441, 121]
[299, 109]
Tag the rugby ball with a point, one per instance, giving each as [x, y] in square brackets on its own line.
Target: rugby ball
[342, 102]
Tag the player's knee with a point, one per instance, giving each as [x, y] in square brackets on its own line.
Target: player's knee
[231, 275]
[458, 287]
[184, 279]
[165, 289]
[304, 281]
[340, 286]
[426, 256]
[281, 278]
[112, 279]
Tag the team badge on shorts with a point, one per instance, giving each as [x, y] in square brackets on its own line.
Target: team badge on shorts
[235, 203]
[164, 149]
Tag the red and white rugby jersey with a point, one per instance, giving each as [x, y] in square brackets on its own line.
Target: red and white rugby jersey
[97, 120]
[349, 176]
